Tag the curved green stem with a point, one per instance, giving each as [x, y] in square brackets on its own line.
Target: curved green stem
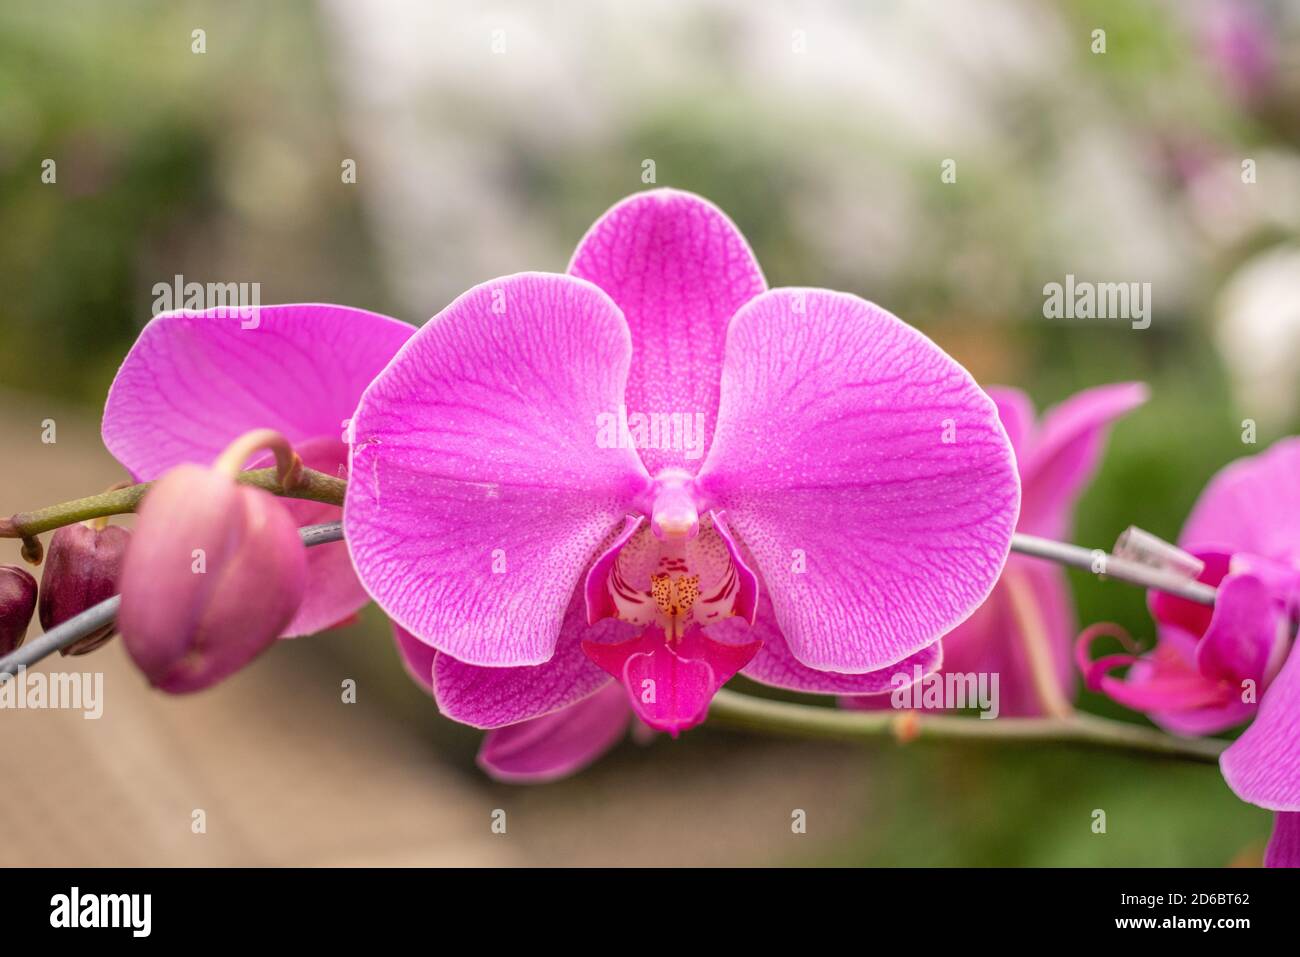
[732, 709]
[314, 486]
[287, 462]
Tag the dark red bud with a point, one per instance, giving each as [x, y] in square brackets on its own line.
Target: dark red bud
[81, 570]
[17, 602]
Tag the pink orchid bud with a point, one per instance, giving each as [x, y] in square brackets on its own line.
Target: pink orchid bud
[17, 601]
[215, 572]
[82, 567]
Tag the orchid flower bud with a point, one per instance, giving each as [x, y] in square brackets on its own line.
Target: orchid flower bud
[215, 572]
[82, 567]
[17, 601]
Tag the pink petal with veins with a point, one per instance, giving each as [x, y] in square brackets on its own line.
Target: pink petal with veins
[479, 492]
[1055, 461]
[495, 697]
[1284, 847]
[600, 604]
[679, 269]
[194, 381]
[865, 471]
[1016, 413]
[774, 665]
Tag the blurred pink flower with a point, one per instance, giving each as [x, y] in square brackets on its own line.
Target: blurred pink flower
[1239, 39]
[1214, 668]
[856, 500]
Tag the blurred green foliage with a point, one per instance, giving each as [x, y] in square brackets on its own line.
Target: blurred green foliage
[167, 162]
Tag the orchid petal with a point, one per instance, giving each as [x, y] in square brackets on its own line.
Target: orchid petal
[1162, 692]
[194, 381]
[679, 269]
[668, 684]
[1284, 846]
[558, 744]
[1215, 707]
[1263, 765]
[1198, 722]
[479, 489]
[1066, 453]
[1252, 505]
[1243, 632]
[874, 533]
[747, 594]
[417, 657]
[1031, 603]
[1016, 413]
[600, 604]
[774, 665]
[495, 697]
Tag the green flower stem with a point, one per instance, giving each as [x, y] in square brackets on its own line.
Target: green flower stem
[288, 464]
[313, 486]
[746, 713]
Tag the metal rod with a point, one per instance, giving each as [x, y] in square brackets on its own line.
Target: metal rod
[1105, 565]
[321, 534]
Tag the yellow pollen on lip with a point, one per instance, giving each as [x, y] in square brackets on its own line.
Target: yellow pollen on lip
[675, 596]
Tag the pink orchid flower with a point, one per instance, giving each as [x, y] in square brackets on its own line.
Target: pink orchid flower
[1031, 602]
[194, 381]
[1214, 668]
[796, 459]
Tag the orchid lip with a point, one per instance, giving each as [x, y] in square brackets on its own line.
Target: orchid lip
[673, 577]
